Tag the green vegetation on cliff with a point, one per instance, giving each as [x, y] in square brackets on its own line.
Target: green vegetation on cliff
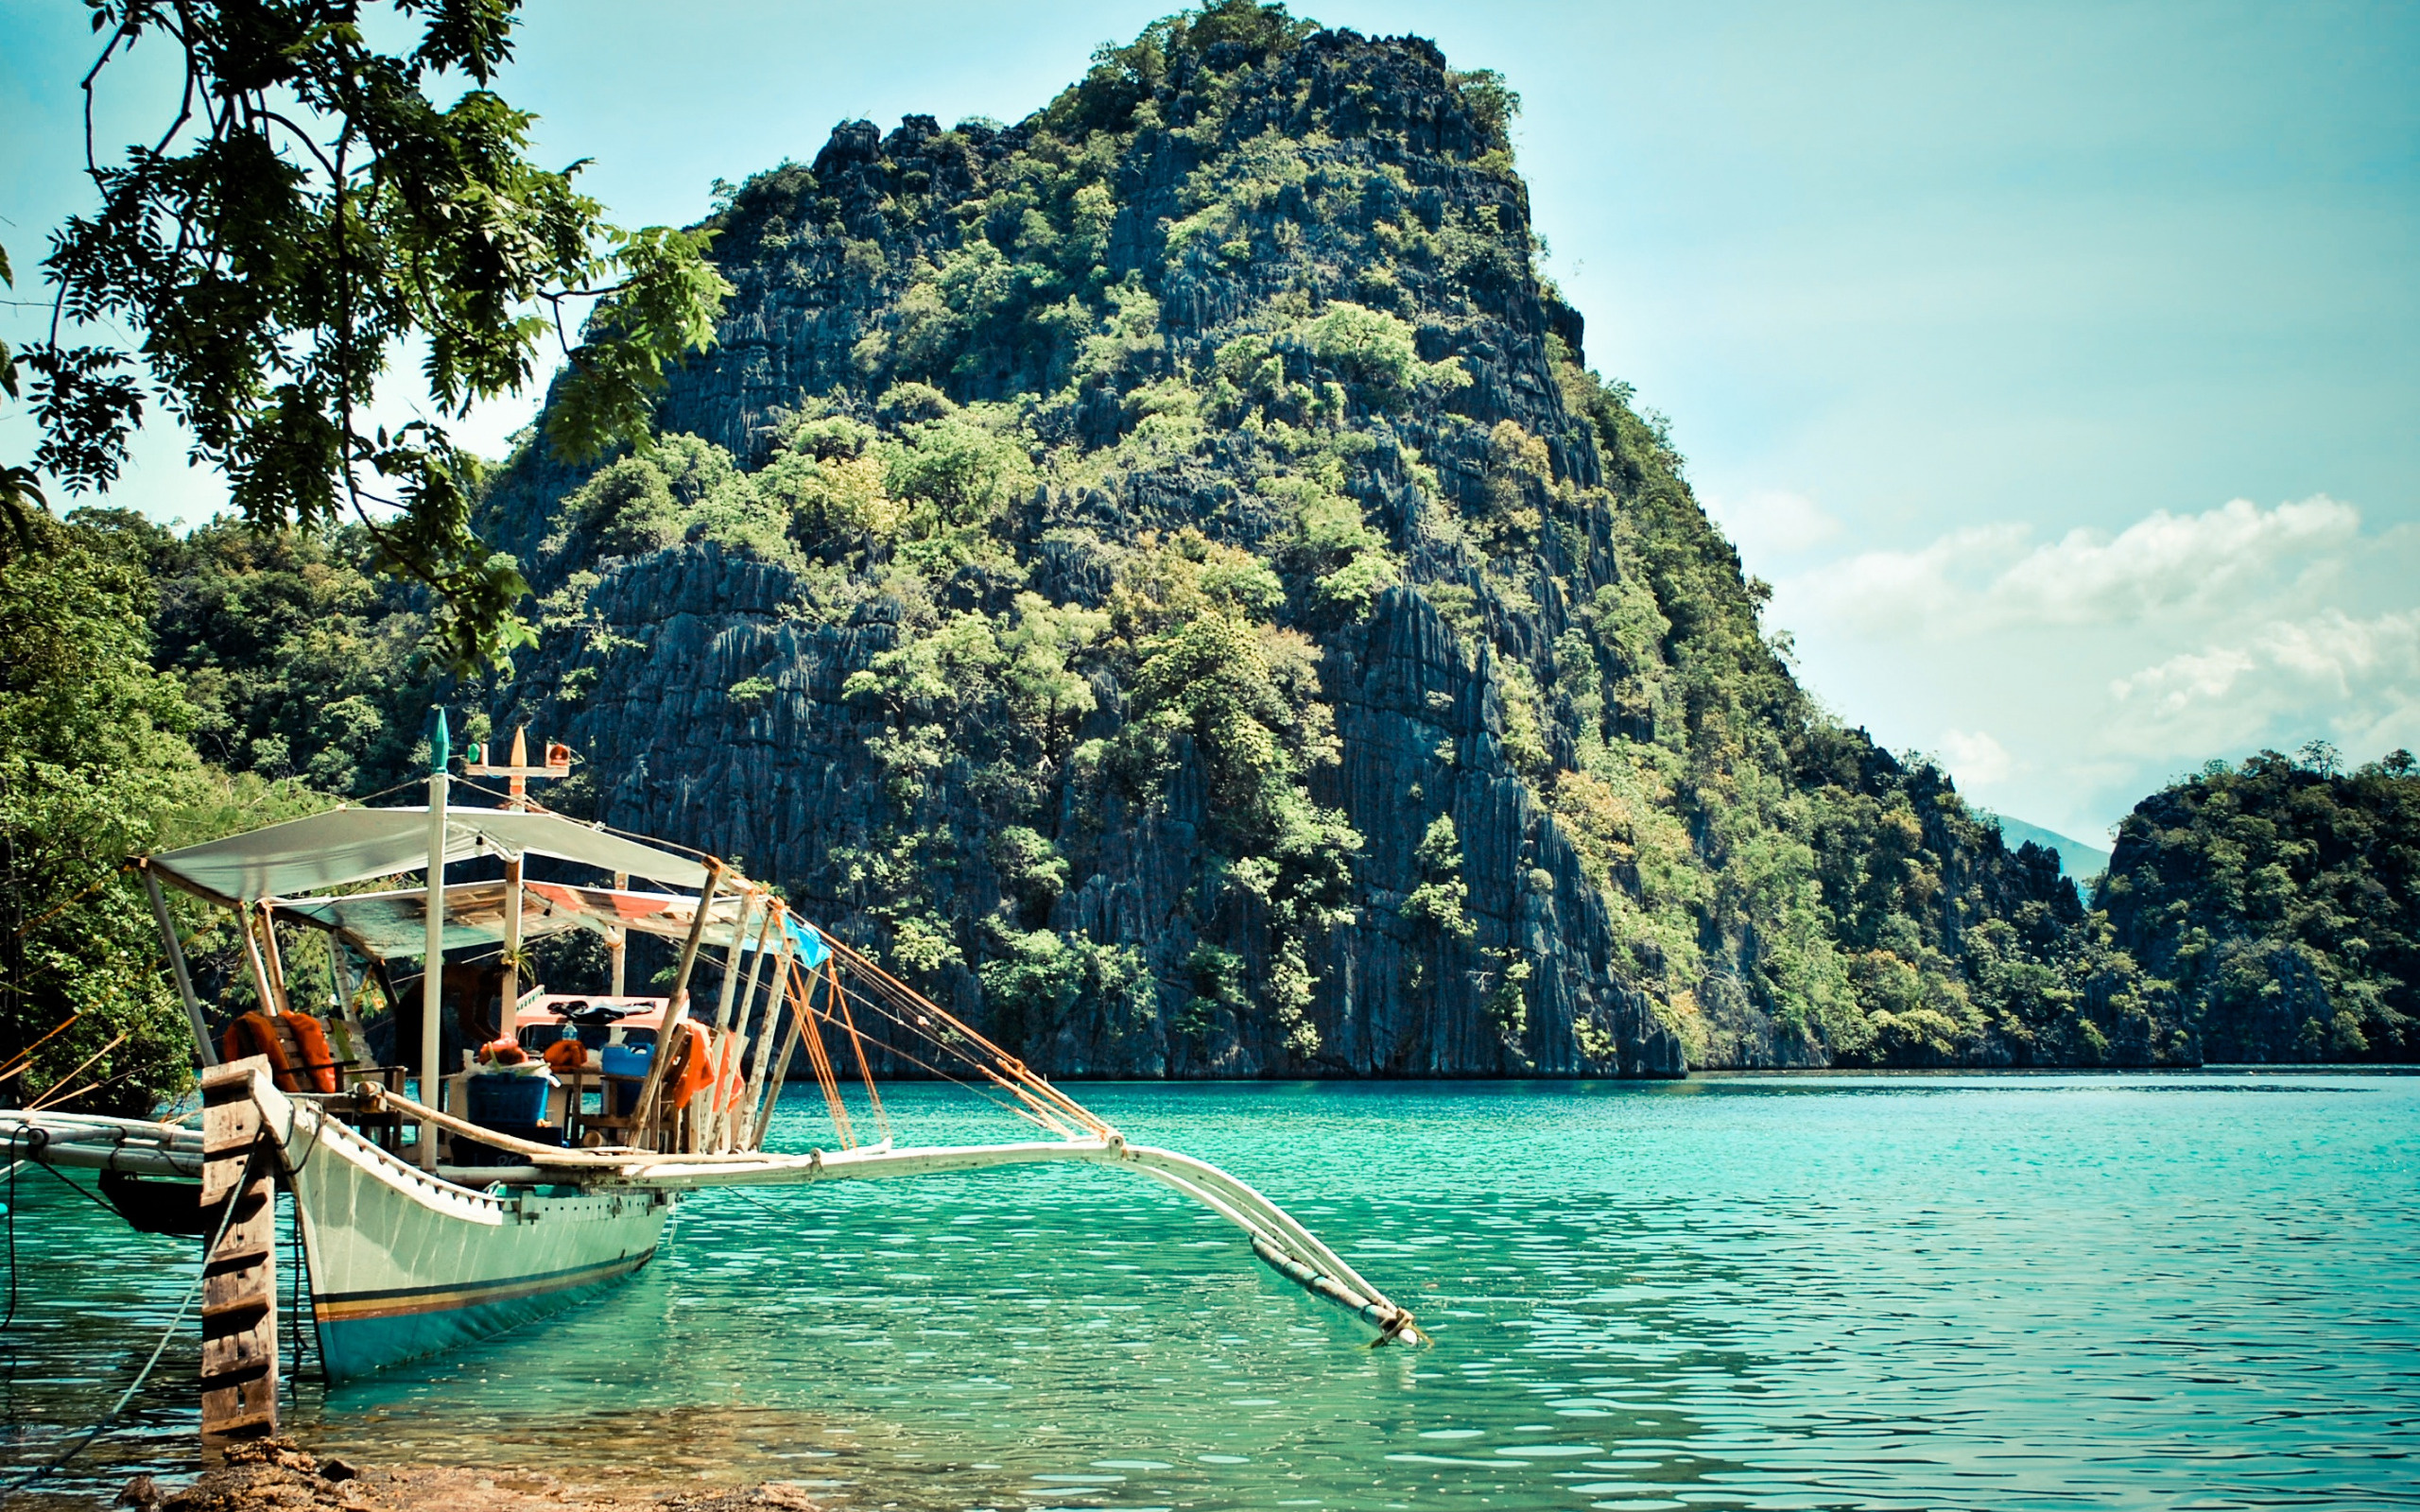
[2282, 898]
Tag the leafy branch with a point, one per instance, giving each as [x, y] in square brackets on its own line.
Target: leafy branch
[308, 211]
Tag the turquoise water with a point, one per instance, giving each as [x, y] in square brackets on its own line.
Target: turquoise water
[1906, 1292]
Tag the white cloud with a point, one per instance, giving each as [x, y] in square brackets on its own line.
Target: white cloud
[1889, 590]
[2167, 560]
[1976, 759]
[2186, 678]
[1983, 579]
[1773, 522]
[2358, 678]
[2068, 677]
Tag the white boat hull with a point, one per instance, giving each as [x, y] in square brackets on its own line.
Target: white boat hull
[405, 1266]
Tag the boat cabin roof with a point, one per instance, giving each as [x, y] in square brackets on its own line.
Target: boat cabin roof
[393, 926]
[344, 846]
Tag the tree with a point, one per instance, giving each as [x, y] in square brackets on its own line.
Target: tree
[307, 210]
[92, 759]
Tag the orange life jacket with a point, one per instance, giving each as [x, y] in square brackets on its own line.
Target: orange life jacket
[698, 1066]
[256, 1034]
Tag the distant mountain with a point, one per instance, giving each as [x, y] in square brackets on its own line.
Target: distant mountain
[2080, 861]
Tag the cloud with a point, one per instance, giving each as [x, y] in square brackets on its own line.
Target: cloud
[1773, 522]
[2068, 674]
[2360, 678]
[2168, 560]
[1887, 592]
[1976, 759]
[1983, 578]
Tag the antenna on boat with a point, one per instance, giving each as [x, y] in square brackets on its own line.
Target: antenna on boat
[432, 973]
[516, 769]
[517, 772]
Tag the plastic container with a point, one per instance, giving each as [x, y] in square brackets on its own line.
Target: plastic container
[627, 1061]
[496, 1102]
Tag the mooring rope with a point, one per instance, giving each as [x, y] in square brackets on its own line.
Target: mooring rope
[101, 1425]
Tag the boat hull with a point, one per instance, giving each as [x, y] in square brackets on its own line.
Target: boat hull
[403, 1265]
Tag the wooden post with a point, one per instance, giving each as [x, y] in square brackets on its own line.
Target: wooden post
[617, 938]
[731, 1125]
[239, 1275]
[676, 1005]
[517, 787]
[432, 977]
[512, 990]
[176, 952]
[746, 1135]
[276, 959]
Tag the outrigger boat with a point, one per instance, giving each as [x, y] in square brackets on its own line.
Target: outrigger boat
[427, 1220]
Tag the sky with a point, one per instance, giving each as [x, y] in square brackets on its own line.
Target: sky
[2058, 364]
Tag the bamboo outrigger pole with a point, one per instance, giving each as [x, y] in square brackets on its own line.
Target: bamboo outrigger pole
[768, 1029]
[276, 959]
[727, 1113]
[252, 958]
[347, 1003]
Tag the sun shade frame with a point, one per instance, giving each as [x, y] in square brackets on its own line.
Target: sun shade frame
[339, 847]
[393, 925]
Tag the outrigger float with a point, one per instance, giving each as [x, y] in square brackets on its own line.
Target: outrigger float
[434, 1219]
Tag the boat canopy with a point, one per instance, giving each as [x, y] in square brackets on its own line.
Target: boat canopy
[393, 926]
[345, 845]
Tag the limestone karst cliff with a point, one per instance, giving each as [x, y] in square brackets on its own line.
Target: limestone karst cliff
[1164, 575]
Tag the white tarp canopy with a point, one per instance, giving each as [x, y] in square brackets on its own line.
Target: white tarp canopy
[393, 925]
[345, 845]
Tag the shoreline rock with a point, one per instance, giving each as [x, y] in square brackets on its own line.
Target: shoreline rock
[278, 1475]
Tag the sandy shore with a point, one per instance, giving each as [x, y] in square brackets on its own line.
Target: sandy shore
[276, 1475]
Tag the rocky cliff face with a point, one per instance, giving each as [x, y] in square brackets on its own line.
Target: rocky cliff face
[1162, 575]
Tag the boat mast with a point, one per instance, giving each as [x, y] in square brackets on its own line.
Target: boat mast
[517, 798]
[432, 974]
[617, 939]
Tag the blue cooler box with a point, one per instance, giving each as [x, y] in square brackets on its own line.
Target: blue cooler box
[498, 1101]
[624, 1060]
